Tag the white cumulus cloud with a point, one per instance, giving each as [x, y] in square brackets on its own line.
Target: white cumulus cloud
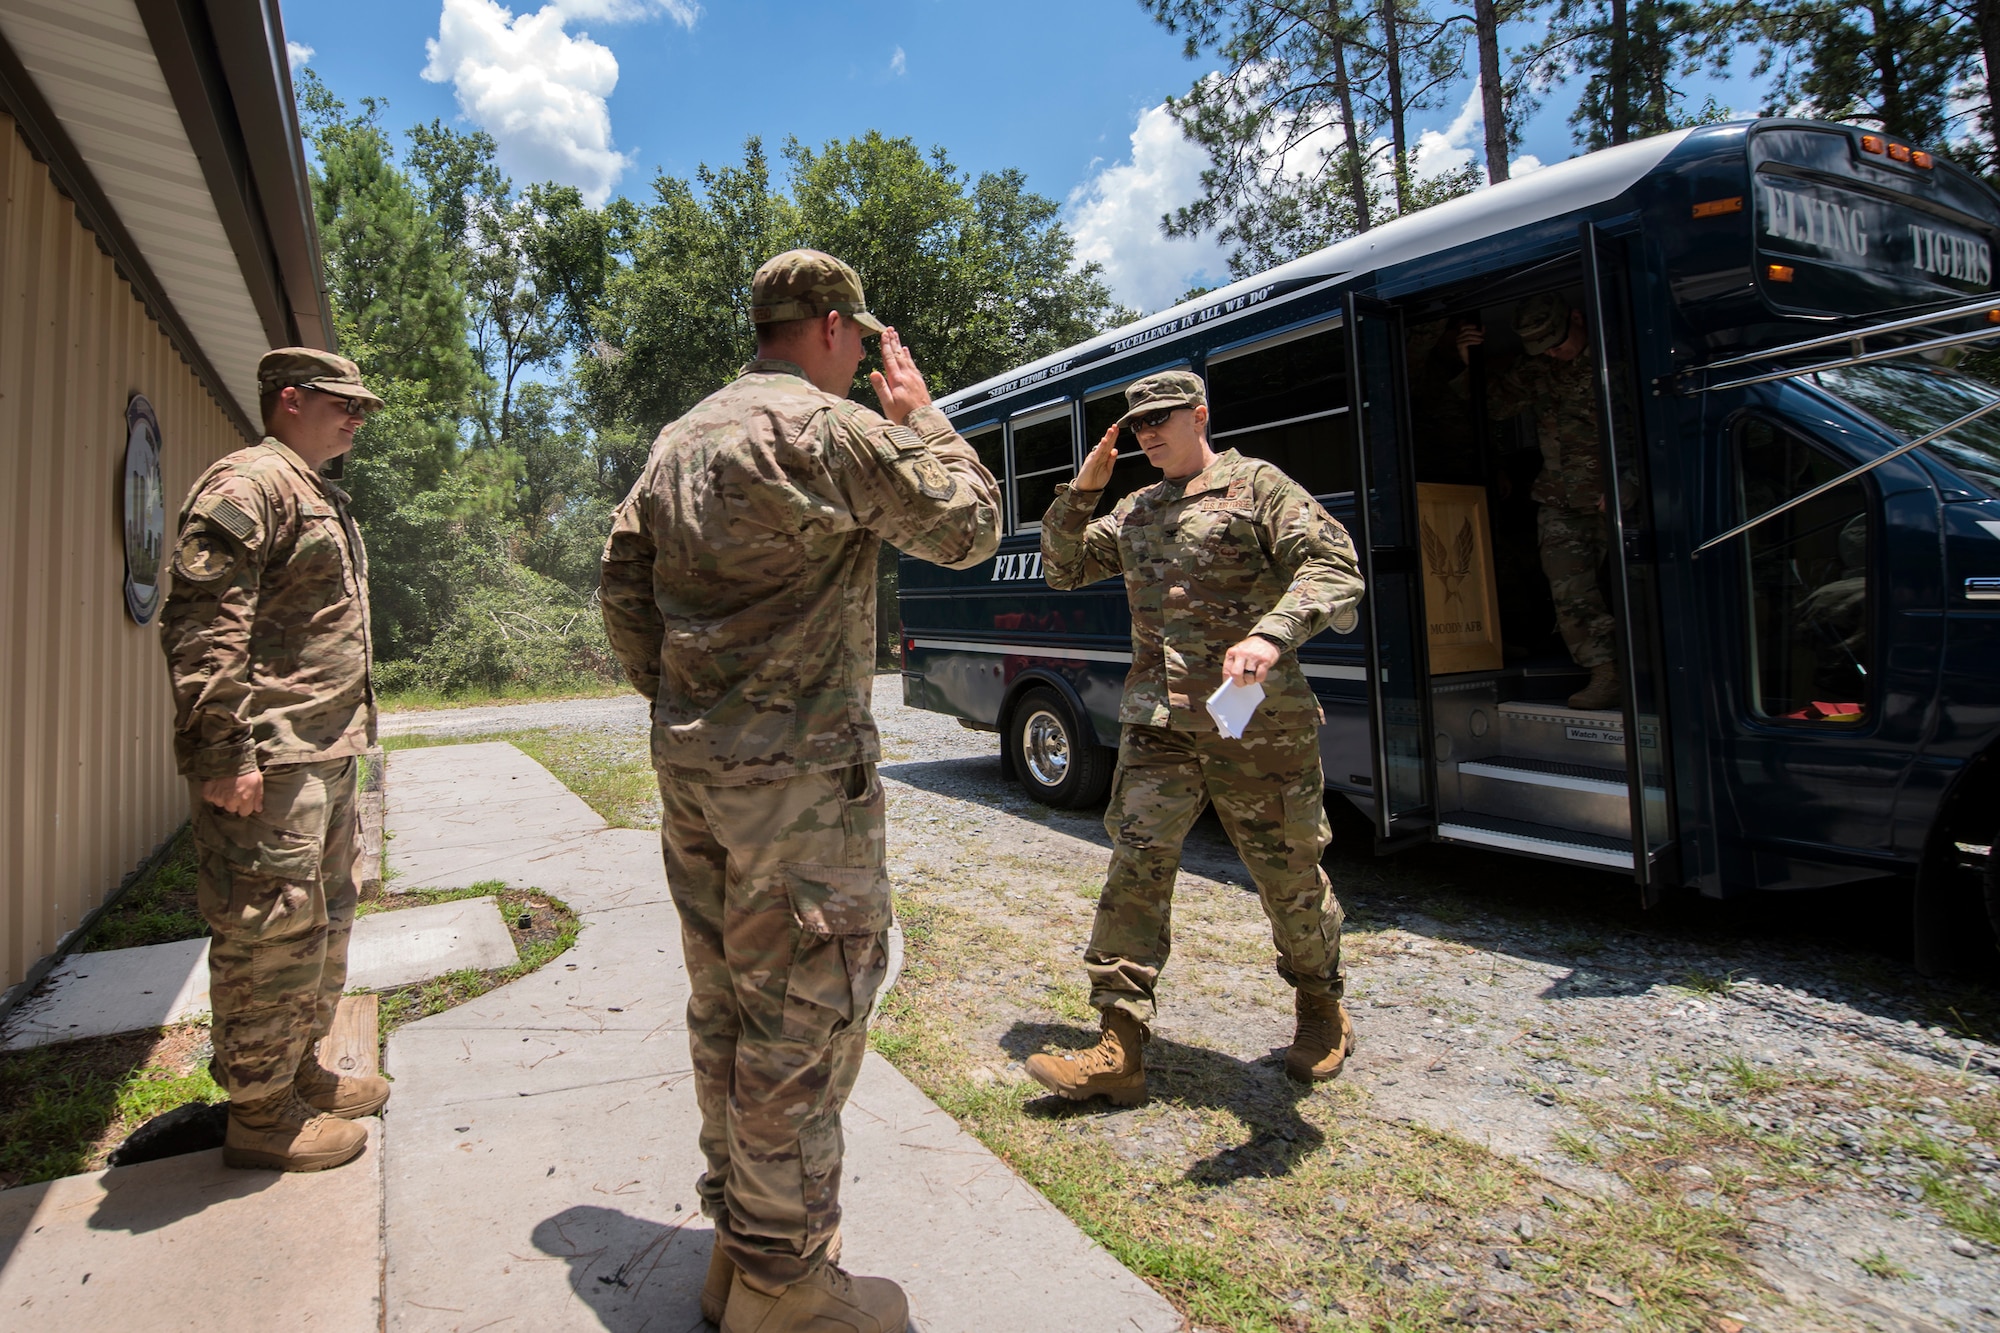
[1115, 217]
[899, 63]
[1441, 151]
[298, 53]
[539, 89]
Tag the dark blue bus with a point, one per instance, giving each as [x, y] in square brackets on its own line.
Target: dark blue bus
[1810, 701]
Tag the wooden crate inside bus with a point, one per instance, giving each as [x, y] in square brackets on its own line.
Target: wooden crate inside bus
[1461, 603]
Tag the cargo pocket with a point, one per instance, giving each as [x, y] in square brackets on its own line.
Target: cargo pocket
[249, 844]
[843, 916]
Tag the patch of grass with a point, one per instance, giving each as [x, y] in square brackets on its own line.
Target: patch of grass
[1260, 1206]
[1971, 1209]
[1880, 1265]
[159, 908]
[423, 700]
[613, 774]
[1705, 983]
[1748, 1077]
[550, 931]
[64, 1108]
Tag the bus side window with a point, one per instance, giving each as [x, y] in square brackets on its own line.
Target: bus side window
[1287, 404]
[1132, 471]
[1810, 592]
[1044, 456]
[989, 443]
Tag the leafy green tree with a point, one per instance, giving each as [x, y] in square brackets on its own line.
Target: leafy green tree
[1635, 55]
[1896, 64]
[977, 275]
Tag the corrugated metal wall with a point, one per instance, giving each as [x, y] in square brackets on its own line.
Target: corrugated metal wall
[87, 783]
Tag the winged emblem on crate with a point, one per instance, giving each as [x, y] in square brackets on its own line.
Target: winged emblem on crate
[1451, 568]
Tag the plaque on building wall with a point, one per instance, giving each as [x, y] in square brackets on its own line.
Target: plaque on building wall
[145, 510]
[1461, 602]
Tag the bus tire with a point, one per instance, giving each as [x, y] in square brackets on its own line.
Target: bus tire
[1055, 758]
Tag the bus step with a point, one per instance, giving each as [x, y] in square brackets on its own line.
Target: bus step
[1520, 835]
[1565, 734]
[1584, 798]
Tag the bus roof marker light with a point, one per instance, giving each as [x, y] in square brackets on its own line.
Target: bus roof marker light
[1922, 159]
[1715, 208]
[1778, 272]
[1899, 152]
[1871, 143]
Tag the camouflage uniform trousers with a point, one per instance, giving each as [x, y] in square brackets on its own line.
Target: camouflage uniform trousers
[1267, 790]
[278, 890]
[784, 906]
[1574, 543]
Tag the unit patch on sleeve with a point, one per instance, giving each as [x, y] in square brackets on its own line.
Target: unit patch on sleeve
[204, 559]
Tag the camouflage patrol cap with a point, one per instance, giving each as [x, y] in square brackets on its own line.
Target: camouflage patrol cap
[1169, 388]
[310, 368]
[1542, 322]
[806, 284]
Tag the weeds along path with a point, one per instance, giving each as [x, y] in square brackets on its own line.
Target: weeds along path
[1564, 1112]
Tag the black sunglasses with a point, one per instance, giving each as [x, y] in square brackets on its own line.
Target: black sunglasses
[1153, 420]
[355, 407]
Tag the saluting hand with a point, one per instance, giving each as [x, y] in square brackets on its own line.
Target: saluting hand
[899, 385]
[1095, 474]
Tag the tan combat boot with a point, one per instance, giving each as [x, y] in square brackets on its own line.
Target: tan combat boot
[1324, 1039]
[337, 1094]
[1603, 690]
[282, 1133]
[715, 1286]
[1114, 1068]
[827, 1300]
[722, 1271]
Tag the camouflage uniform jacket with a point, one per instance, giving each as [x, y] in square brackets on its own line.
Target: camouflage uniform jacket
[266, 629]
[1238, 549]
[1563, 397]
[739, 579]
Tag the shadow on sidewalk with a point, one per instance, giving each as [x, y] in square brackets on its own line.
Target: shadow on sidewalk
[1257, 1092]
[633, 1274]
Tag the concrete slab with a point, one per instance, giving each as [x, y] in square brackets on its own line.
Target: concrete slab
[417, 943]
[187, 1243]
[461, 813]
[119, 990]
[126, 990]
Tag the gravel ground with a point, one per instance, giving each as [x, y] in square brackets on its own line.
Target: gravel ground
[1774, 1062]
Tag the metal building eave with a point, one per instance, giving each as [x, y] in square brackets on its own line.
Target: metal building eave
[173, 121]
[51, 144]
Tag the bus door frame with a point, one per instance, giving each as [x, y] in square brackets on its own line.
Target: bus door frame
[1635, 606]
[1385, 512]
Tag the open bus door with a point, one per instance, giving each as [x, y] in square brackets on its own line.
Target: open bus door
[1402, 753]
[1634, 571]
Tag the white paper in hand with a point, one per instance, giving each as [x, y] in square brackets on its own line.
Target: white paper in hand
[1231, 706]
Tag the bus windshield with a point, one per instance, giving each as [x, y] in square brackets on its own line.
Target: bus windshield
[1913, 400]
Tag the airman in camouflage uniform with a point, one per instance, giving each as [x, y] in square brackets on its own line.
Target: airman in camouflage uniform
[1228, 565]
[1556, 379]
[739, 593]
[266, 637]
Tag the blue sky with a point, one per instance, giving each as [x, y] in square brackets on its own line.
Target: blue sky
[601, 93]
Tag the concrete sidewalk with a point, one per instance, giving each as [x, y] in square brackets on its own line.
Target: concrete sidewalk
[540, 1156]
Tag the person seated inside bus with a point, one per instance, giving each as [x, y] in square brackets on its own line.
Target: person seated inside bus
[1554, 378]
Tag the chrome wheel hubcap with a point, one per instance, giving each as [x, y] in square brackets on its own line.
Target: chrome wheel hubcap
[1045, 748]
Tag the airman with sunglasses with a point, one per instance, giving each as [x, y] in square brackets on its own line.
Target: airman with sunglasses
[266, 637]
[1228, 565]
